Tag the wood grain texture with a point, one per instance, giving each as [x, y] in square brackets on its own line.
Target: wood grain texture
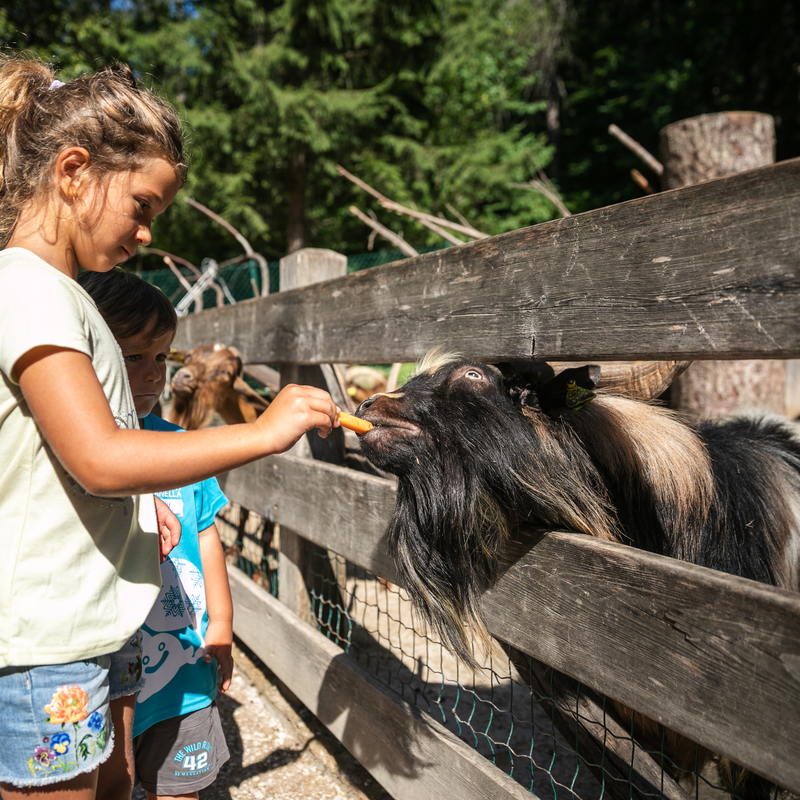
[705, 271]
[406, 751]
[330, 506]
[710, 655]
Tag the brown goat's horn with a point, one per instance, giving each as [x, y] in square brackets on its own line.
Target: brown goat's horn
[644, 380]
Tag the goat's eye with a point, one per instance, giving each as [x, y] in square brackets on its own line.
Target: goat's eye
[473, 375]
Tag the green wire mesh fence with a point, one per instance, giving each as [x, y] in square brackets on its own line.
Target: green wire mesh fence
[516, 723]
[239, 281]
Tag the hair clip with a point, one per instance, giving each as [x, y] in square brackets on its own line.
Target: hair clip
[55, 84]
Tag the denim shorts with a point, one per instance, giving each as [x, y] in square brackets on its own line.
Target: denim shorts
[125, 676]
[54, 721]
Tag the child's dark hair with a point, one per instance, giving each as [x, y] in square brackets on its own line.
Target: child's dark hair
[129, 304]
[119, 123]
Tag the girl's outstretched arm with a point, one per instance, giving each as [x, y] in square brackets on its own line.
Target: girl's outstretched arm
[72, 412]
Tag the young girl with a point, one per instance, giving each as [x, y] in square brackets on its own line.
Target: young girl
[84, 168]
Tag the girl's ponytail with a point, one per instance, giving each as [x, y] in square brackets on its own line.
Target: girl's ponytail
[20, 78]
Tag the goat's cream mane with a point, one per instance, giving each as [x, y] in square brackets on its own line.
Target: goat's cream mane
[434, 360]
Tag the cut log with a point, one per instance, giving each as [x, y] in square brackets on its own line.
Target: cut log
[693, 151]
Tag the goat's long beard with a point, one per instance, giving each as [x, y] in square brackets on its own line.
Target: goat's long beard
[456, 508]
[444, 537]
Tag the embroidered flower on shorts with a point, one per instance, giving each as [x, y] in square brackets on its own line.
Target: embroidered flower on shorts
[60, 743]
[95, 721]
[44, 756]
[68, 705]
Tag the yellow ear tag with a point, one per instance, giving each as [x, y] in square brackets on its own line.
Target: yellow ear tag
[577, 397]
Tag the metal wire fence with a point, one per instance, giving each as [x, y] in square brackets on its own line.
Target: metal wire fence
[516, 725]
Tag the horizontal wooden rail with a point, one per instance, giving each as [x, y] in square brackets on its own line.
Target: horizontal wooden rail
[408, 753]
[703, 272]
[708, 654]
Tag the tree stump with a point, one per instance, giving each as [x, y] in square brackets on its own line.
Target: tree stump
[715, 145]
[701, 149]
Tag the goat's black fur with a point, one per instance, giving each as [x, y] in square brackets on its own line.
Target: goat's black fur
[478, 449]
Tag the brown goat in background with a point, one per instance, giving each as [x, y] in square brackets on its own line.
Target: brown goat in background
[208, 382]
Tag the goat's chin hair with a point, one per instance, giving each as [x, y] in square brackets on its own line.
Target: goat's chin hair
[446, 574]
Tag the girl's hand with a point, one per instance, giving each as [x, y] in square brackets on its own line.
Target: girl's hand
[294, 411]
[219, 636]
[169, 528]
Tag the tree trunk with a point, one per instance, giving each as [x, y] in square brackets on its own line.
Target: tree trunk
[701, 149]
[296, 222]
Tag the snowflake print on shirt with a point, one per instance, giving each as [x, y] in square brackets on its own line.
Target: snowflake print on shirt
[172, 601]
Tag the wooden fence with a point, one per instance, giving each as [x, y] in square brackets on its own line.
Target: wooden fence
[710, 271]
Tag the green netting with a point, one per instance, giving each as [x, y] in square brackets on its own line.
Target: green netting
[242, 280]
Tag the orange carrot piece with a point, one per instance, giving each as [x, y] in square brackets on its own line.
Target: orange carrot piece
[354, 423]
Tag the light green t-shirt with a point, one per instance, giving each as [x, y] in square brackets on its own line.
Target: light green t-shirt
[78, 573]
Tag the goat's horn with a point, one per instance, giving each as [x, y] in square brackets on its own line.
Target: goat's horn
[644, 380]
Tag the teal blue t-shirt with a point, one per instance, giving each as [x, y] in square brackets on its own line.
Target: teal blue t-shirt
[178, 681]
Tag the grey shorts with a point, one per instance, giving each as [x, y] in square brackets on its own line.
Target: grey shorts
[181, 754]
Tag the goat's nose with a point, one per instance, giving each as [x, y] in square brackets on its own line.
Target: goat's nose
[367, 403]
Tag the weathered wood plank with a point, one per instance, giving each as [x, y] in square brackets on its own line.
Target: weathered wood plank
[675, 641]
[333, 507]
[710, 655]
[706, 271]
[406, 751]
[301, 268]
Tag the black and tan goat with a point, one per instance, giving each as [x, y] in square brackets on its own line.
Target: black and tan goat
[479, 448]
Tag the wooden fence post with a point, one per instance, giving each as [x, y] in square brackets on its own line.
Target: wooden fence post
[301, 268]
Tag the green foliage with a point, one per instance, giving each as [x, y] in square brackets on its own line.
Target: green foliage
[428, 100]
[642, 64]
[478, 137]
[438, 104]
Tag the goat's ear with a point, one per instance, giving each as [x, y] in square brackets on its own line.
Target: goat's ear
[570, 389]
[177, 355]
[521, 380]
[238, 356]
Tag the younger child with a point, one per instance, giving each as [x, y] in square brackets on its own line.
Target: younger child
[191, 623]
